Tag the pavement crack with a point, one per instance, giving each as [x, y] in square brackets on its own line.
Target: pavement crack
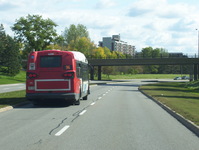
[39, 142]
[76, 114]
[58, 125]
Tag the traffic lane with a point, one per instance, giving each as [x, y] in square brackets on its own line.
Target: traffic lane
[12, 87]
[28, 126]
[22, 86]
[125, 119]
[41, 135]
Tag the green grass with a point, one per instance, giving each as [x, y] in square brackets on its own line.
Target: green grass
[140, 76]
[12, 98]
[193, 85]
[180, 97]
[20, 78]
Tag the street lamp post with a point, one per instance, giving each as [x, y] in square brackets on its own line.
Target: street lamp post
[197, 66]
[198, 42]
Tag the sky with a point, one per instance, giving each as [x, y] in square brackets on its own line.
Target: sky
[168, 24]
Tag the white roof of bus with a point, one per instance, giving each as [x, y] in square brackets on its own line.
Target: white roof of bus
[79, 56]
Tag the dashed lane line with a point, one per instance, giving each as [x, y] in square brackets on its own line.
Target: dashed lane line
[62, 130]
[82, 112]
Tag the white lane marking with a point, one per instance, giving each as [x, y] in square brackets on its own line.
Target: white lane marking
[99, 97]
[62, 130]
[92, 104]
[82, 112]
[104, 94]
[6, 88]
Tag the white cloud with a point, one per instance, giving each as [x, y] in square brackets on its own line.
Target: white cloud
[105, 4]
[155, 23]
[160, 20]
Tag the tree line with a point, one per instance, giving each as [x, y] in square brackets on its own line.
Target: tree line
[36, 33]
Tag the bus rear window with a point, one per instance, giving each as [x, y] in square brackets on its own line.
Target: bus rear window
[50, 61]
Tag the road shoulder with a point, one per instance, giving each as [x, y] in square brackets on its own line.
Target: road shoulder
[187, 123]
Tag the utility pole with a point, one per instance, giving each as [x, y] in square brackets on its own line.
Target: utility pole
[198, 42]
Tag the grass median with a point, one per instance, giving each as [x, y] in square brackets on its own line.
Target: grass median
[181, 97]
[12, 98]
[19, 78]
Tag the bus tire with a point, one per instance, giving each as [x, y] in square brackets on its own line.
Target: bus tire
[77, 102]
[85, 97]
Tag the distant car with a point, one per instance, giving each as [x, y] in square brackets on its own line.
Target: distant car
[185, 78]
[177, 78]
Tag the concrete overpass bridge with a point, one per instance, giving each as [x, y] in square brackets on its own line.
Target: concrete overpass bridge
[193, 62]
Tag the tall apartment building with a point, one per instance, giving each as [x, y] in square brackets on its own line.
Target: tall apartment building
[115, 44]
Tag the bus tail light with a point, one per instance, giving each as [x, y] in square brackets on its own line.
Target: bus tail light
[69, 75]
[31, 75]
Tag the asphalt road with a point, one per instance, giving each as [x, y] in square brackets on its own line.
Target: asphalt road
[116, 116]
[12, 87]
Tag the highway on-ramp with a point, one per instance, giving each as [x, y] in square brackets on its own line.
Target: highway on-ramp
[116, 116]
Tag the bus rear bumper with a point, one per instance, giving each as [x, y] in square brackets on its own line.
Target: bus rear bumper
[65, 96]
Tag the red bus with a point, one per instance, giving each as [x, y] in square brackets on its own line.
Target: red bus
[56, 74]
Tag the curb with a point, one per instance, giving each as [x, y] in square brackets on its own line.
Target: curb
[5, 108]
[187, 123]
[14, 106]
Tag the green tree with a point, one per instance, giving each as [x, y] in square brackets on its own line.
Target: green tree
[35, 32]
[132, 70]
[108, 70]
[84, 45]
[107, 52]
[147, 52]
[77, 38]
[2, 44]
[9, 54]
[156, 53]
[74, 33]
[98, 53]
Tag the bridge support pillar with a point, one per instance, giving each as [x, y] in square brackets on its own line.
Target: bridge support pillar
[99, 72]
[92, 73]
[195, 72]
[198, 71]
[191, 73]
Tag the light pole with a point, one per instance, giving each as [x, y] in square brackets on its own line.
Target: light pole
[198, 42]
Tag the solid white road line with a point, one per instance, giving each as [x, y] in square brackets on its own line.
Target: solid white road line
[62, 130]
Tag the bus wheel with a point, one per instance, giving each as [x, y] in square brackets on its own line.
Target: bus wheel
[77, 102]
[85, 97]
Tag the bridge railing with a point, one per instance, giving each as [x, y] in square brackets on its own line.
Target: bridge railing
[144, 57]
